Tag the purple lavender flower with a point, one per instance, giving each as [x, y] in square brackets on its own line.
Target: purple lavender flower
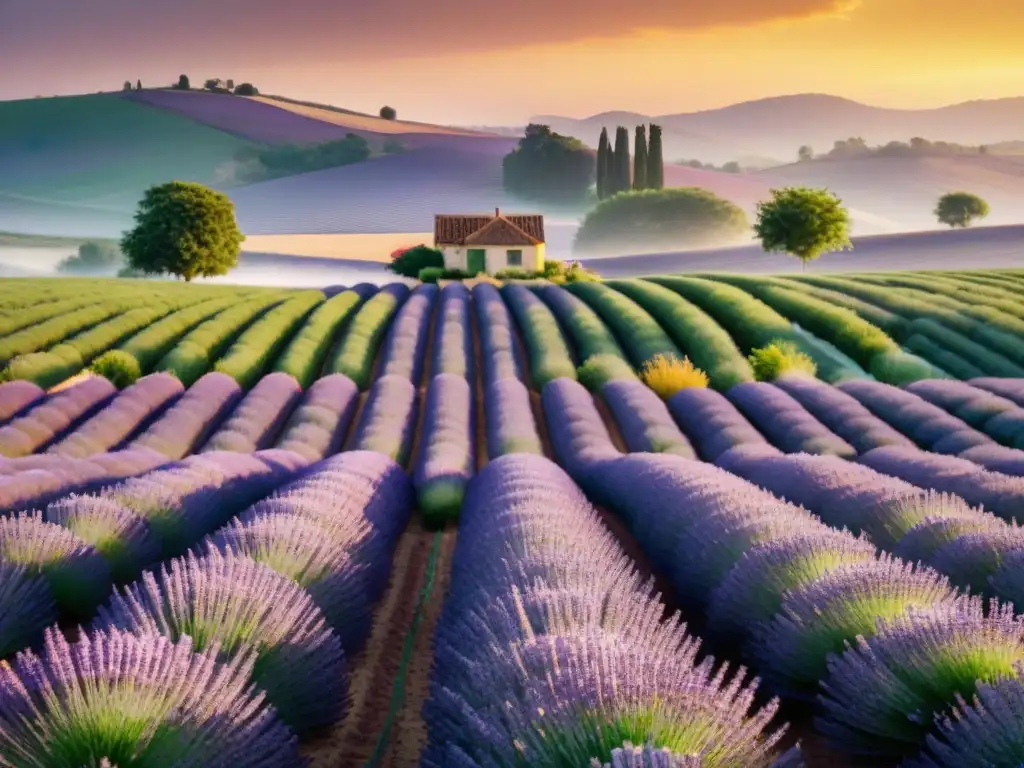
[121, 535]
[785, 422]
[974, 556]
[319, 424]
[406, 345]
[644, 420]
[818, 619]
[17, 396]
[841, 413]
[78, 576]
[242, 606]
[388, 419]
[881, 695]
[453, 337]
[196, 414]
[447, 452]
[942, 518]
[143, 701]
[1011, 389]
[975, 406]
[578, 434]
[997, 458]
[511, 427]
[711, 422]
[121, 417]
[255, 423]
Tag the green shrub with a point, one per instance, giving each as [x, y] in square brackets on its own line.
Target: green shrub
[252, 353]
[700, 338]
[431, 274]
[304, 356]
[589, 333]
[598, 370]
[118, 367]
[638, 333]
[899, 368]
[355, 355]
[943, 358]
[781, 358]
[414, 260]
[550, 357]
[989, 362]
[666, 376]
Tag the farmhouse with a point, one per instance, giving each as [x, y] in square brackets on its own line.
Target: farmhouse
[490, 244]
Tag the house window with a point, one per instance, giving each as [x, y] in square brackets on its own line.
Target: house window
[515, 258]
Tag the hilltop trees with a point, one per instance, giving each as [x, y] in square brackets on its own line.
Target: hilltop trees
[960, 209]
[93, 258]
[183, 229]
[388, 113]
[229, 84]
[183, 83]
[804, 154]
[127, 85]
[246, 89]
[803, 222]
[617, 172]
[659, 219]
[549, 167]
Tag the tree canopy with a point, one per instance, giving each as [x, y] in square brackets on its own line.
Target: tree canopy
[960, 209]
[549, 167]
[412, 260]
[183, 229]
[803, 222]
[388, 113]
[261, 163]
[246, 89]
[660, 219]
[93, 258]
[183, 83]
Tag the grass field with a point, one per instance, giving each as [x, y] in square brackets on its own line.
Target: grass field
[388, 507]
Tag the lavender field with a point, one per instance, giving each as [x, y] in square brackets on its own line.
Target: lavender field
[442, 526]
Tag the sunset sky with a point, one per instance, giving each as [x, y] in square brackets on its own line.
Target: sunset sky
[473, 62]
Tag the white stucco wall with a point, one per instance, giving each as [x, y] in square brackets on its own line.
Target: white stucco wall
[495, 257]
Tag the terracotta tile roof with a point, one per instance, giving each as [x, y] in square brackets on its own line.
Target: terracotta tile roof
[500, 231]
[454, 229]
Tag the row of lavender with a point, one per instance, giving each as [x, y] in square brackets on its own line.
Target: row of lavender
[260, 616]
[552, 651]
[886, 648]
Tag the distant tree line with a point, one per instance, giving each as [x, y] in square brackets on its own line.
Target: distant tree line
[216, 85]
[855, 147]
[262, 163]
[616, 172]
[730, 167]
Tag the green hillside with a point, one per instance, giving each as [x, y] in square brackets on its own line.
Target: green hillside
[102, 150]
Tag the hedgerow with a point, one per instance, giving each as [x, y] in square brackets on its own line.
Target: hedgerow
[355, 354]
[252, 353]
[590, 335]
[703, 340]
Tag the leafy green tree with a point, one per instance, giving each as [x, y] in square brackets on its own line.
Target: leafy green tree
[414, 260]
[183, 229]
[549, 167]
[960, 209]
[183, 83]
[804, 154]
[602, 165]
[803, 222]
[93, 258]
[622, 172]
[731, 167]
[246, 89]
[655, 159]
[127, 85]
[212, 84]
[640, 158]
[660, 219]
[388, 113]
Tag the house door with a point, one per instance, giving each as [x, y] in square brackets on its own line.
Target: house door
[476, 260]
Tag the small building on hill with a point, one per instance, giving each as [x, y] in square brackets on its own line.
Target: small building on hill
[490, 244]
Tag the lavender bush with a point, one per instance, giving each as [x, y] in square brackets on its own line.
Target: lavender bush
[497, 336]
[785, 422]
[126, 413]
[318, 426]
[447, 455]
[235, 606]
[255, 423]
[711, 422]
[997, 458]
[115, 699]
[406, 345]
[579, 437]
[53, 417]
[453, 334]
[841, 413]
[17, 396]
[1011, 389]
[975, 406]
[511, 427]
[189, 421]
[26, 606]
[644, 420]
[388, 419]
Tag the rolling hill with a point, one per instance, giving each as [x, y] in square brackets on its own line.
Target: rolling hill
[778, 126]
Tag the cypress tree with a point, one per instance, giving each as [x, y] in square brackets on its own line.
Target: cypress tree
[602, 165]
[640, 158]
[622, 162]
[655, 161]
